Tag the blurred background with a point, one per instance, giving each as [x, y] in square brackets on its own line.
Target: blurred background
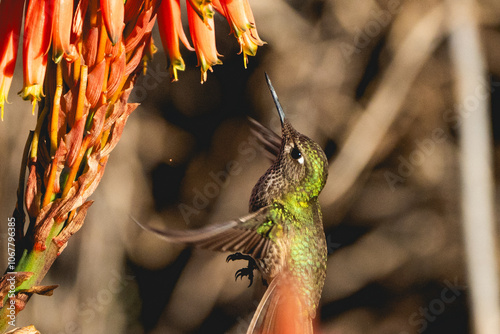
[391, 207]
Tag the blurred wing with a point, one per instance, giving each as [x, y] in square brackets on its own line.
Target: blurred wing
[240, 235]
[267, 138]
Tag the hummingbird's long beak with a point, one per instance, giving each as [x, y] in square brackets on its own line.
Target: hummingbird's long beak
[276, 101]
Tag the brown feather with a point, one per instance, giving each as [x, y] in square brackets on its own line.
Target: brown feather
[269, 140]
[234, 236]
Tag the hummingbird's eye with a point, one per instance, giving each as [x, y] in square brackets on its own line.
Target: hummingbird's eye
[297, 155]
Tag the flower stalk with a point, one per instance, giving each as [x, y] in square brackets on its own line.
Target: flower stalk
[98, 49]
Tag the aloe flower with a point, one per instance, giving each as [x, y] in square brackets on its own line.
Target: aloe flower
[61, 31]
[9, 38]
[36, 44]
[240, 17]
[203, 8]
[203, 35]
[170, 24]
[113, 12]
[81, 59]
[200, 15]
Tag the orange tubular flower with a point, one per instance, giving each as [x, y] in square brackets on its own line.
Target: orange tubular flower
[113, 13]
[63, 16]
[240, 17]
[9, 38]
[203, 36]
[170, 26]
[37, 38]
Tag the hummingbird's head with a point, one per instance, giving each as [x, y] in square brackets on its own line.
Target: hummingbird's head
[300, 170]
[302, 163]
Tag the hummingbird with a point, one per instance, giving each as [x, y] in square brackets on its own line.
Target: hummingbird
[283, 236]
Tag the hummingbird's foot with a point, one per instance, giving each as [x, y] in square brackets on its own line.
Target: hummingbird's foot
[248, 271]
[239, 256]
[245, 272]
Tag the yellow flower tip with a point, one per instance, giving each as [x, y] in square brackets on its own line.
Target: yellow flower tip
[4, 92]
[204, 73]
[206, 14]
[204, 10]
[173, 73]
[176, 65]
[248, 46]
[3, 99]
[206, 65]
[56, 57]
[33, 102]
[205, 68]
[33, 93]
[153, 49]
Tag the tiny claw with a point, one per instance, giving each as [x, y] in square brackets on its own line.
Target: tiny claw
[237, 274]
[244, 272]
[248, 271]
[237, 256]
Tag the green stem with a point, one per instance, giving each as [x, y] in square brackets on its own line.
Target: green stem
[37, 262]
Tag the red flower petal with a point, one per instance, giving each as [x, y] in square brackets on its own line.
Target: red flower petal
[203, 36]
[170, 26]
[90, 46]
[94, 83]
[63, 18]
[113, 12]
[138, 32]
[36, 43]
[9, 39]
[117, 69]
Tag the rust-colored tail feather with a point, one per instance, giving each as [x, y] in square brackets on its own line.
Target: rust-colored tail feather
[281, 310]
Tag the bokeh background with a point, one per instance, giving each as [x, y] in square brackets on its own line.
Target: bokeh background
[391, 216]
